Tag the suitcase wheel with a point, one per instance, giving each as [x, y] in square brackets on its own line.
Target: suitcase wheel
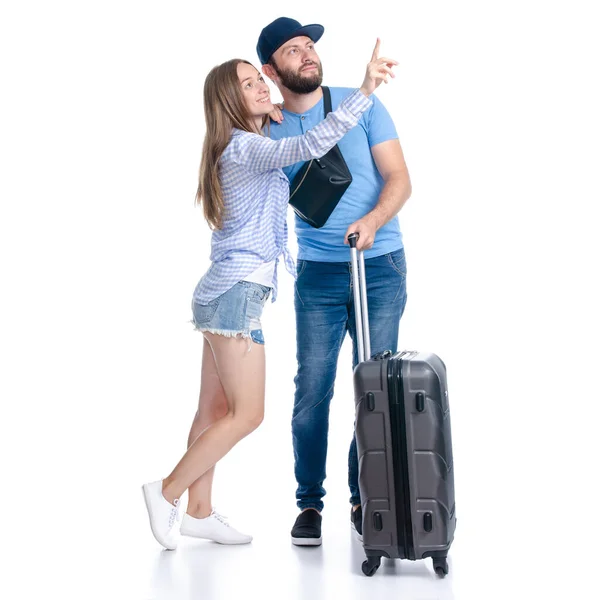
[440, 566]
[371, 565]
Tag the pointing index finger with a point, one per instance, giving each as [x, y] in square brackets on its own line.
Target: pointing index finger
[376, 50]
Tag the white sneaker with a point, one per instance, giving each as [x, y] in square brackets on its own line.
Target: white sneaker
[162, 513]
[214, 527]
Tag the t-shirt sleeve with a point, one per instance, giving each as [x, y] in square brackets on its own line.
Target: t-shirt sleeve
[380, 127]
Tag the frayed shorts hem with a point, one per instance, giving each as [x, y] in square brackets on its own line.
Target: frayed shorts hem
[256, 335]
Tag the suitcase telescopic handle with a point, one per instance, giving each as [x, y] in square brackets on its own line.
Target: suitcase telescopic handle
[361, 311]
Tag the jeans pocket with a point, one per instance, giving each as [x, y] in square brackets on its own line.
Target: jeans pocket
[260, 293]
[203, 313]
[398, 262]
[300, 266]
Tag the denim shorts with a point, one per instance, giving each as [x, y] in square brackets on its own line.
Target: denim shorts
[237, 312]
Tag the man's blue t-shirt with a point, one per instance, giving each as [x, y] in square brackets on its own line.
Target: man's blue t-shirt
[375, 126]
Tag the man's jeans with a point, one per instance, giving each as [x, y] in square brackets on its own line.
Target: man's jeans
[324, 313]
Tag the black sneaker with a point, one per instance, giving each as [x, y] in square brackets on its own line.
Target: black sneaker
[356, 520]
[307, 529]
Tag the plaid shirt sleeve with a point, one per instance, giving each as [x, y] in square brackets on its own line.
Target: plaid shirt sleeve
[258, 154]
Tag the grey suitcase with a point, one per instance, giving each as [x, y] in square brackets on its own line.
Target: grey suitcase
[406, 476]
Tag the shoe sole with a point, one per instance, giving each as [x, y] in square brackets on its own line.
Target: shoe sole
[223, 542]
[150, 515]
[358, 535]
[307, 541]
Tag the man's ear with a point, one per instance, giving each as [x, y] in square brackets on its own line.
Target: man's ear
[269, 71]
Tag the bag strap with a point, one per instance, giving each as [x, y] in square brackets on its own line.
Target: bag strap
[327, 107]
[326, 99]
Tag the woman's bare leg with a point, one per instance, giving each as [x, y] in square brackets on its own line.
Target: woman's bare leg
[212, 406]
[242, 375]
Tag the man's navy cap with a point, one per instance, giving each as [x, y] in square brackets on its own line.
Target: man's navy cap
[281, 30]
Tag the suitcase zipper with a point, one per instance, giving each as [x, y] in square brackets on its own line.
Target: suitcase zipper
[400, 452]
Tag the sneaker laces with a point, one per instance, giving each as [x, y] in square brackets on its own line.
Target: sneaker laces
[221, 518]
[174, 516]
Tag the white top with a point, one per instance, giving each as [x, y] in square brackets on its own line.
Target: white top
[263, 275]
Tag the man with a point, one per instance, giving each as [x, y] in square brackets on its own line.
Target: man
[323, 294]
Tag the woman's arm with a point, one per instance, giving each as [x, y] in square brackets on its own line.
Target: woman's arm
[259, 154]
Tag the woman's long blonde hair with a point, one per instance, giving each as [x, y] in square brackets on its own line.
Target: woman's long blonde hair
[224, 109]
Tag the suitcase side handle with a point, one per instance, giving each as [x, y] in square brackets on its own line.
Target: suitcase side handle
[361, 310]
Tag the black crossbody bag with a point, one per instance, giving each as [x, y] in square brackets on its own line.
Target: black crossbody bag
[320, 183]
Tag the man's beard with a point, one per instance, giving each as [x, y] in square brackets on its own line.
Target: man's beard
[300, 84]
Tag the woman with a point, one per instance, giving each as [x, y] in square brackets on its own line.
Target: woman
[245, 195]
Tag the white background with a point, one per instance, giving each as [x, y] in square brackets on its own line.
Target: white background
[496, 106]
